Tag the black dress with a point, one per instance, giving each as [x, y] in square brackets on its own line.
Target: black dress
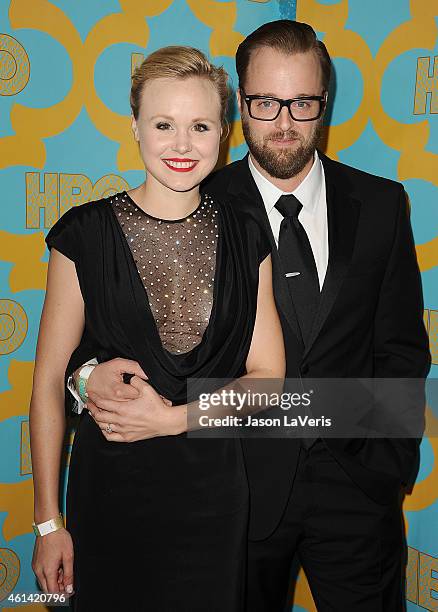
[160, 525]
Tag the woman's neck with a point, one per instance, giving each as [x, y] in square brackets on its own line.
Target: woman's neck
[164, 203]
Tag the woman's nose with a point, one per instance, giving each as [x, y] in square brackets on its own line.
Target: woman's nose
[182, 143]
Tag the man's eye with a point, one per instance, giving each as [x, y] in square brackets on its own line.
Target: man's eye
[163, 125]
[301, 104]
[264, 103]
[201, 127]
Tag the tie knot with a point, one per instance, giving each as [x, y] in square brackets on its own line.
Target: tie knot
[289, 206]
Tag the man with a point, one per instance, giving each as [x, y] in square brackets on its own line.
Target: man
[352, 309]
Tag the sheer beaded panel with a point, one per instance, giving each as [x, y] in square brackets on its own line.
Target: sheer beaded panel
[176, 261]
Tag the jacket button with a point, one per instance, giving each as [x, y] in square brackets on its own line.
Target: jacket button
[305, 369]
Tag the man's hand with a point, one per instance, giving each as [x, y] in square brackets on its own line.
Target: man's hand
[106, 379]
[148, 415]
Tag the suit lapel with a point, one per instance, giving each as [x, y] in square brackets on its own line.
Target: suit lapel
[342, 218]
[242, 186]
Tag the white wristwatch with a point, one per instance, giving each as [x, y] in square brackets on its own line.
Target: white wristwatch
[53, 524]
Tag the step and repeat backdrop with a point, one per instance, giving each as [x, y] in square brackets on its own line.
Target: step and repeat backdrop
[65, 138]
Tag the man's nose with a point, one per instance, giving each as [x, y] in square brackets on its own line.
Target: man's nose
[182, 143]
[284, 121]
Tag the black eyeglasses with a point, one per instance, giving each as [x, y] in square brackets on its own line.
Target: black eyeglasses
[267, 108]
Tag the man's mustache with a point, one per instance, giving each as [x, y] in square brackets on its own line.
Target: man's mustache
[279, 135]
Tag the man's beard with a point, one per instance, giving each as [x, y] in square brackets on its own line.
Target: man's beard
[282, 163]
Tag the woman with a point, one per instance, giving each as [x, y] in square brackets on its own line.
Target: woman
[182, 284]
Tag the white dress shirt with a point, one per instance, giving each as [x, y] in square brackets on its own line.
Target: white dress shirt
[311, 193]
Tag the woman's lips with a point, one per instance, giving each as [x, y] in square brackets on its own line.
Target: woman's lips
[180, 165]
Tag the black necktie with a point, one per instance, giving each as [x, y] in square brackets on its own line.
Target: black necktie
[298, 263]
[299, 267]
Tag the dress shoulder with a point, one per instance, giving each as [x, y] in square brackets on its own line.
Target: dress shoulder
[69, 233]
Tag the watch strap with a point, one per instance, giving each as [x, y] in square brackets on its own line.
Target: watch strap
[53, 524]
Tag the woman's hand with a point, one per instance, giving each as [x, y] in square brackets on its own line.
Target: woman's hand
[146, 416]
[106, 379]
[52, 562]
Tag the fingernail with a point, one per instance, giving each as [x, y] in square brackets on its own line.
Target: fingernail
[69, 588]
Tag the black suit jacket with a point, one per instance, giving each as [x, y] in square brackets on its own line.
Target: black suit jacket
[369, 324]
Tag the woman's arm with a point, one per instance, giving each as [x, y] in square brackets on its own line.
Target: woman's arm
[61, 326]
[265, 364]
[266, 357]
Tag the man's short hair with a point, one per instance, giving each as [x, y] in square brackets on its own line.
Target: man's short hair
[287, 37]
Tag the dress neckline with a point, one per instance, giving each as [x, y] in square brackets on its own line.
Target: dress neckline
[158, 219]
[144, 293]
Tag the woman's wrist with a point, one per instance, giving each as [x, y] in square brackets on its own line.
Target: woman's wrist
[41, 516]
[54, 523]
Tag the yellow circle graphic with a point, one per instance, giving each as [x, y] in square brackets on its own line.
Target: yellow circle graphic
[13, 326]
[14, 66]
[9, 571]
[8, 66]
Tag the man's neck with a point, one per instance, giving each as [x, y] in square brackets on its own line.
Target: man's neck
[287, 185]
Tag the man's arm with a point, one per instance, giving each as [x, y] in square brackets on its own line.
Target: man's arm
[106, 381]
[400, 338]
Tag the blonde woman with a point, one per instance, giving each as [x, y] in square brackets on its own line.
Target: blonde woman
[180, 283]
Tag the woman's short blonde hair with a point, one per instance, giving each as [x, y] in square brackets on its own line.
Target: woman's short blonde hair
[179, 62]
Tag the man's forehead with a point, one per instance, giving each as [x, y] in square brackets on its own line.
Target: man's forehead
[269, 67]
[264, 54]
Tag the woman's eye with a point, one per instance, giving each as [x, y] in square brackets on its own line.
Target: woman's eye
[163, 125]
[201, 127]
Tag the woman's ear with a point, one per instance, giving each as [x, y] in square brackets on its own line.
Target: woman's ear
[134, 128]
[225, 132]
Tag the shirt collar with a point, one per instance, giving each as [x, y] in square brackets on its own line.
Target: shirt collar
[307, 192]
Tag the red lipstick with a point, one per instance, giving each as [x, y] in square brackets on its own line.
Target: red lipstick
[180, 164]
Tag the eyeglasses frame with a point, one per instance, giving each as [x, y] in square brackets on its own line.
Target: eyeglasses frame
[248, 99]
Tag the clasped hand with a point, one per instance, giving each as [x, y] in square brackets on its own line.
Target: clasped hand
[147, 415]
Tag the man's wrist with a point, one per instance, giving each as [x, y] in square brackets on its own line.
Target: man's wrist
[80, 378]
[75, 376]
[72, 387]
[178, 419]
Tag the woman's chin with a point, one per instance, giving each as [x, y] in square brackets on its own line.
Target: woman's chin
[183, 187]
[186, 183]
